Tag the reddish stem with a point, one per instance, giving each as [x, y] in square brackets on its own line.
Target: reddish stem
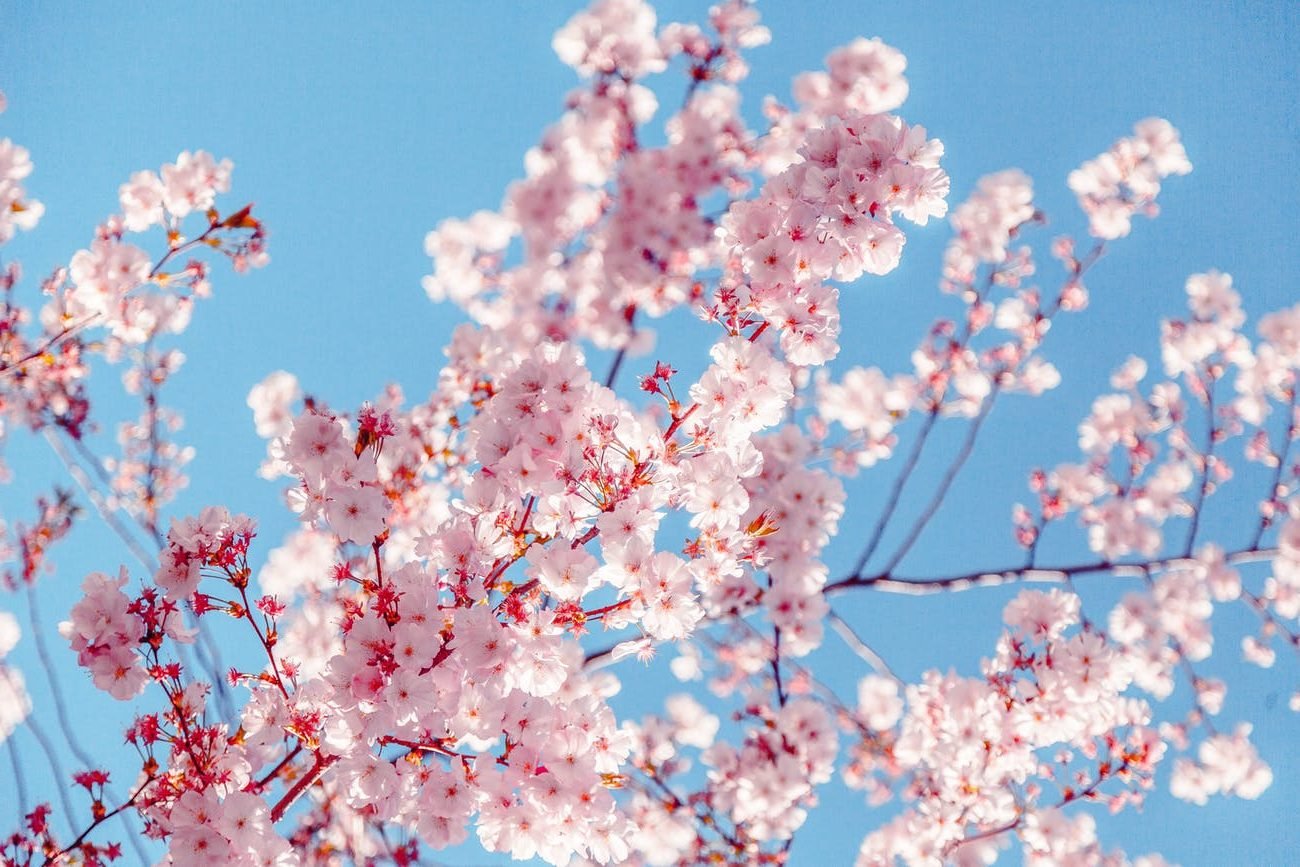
[304, 782]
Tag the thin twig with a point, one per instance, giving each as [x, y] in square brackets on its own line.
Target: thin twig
[121, 808]
[860, 647]
[97, 500]
[941, 492]
[776, 664]
[20, 781]
[614, 367]
[56, 767]
[1207, 461]
[270, 775]
[297, 789]
[924, 586]
[45, 347]
[896, 492]
[1281, 456]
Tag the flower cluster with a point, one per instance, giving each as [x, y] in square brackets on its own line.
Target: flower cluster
[1225, 764]
[795, 510]
[984, 226]
[831, 216]
[613, 36]
[1125, 180]
[864, 77]
[106, 629]
[754, 794]
[214, 539]
[971, 748]
[16, 210]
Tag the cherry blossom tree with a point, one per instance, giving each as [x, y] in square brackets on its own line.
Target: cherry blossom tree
[475, 573]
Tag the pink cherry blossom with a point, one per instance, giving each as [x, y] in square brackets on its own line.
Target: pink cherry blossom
[436, 647]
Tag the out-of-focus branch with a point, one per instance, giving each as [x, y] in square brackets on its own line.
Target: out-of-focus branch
[8, 367]
[20, 781]
[106, 513]
[1207, 464]
[860, 647]
[205, 649]
[1289, 435]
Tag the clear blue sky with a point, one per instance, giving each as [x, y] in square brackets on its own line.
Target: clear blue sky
[356, 133]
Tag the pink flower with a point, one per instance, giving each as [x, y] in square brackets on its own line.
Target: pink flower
[104, 634]
[879, 703]
[142, 201]
[16, 211]
[103, 275]
[355, 513]
[1125, 180]
[192, 182]
[1226, 764]
[612, 36]
[1040, 616]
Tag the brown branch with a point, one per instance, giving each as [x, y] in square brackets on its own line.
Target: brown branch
[1053, 575]
[776, 665]
[50, 342]
[259, 785]
[597, 659]
[1207, 462]
[896, 492]
[1288, 436]
[297, 789]
[936, 499]
[630, 316]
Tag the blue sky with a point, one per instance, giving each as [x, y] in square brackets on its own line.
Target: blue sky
[355, 134]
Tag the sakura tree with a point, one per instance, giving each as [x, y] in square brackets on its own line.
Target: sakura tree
[476, 577]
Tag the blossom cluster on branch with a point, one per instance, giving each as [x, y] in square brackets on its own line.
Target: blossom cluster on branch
[426, 660]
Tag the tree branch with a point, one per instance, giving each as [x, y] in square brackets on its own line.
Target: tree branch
[896, 492]
[924, 586]
[860, 647]
[936, 500]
